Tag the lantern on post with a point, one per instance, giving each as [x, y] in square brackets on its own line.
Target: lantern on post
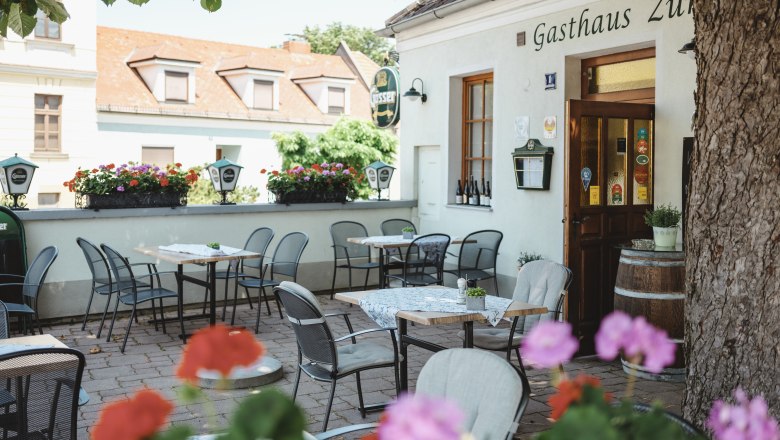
[15, 176]
[224, 176]
[379, 175]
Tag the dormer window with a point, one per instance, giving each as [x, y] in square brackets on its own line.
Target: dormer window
[254, 79]
[176, 86]
[336, 100]
[46, 28]
[168, 70]
[263, 98]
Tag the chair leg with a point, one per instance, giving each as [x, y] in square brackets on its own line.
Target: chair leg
[495, 283]
[265, 298]
[330, 404]
[38, 322]
[129, 324]
[89, 305]
[333, 283]
[361, 405]
[397, 380]
[113, 319]
[225, 300]
[259, 310]
[162, 317]
[365, 284]
[350, 277]
[519, 359]
[297, 375]
[154, 316]
[105, 311]
[235, 303]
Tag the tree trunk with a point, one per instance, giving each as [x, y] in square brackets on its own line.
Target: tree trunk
[733, 237]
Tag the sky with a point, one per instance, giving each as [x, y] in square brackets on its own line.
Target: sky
[252, 22]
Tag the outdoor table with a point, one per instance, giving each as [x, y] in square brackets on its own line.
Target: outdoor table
[382, 242]
[466, 317]
[180, 259]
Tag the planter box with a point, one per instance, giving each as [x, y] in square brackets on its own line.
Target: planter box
[311, 197]
[130, 200]
[475, 303]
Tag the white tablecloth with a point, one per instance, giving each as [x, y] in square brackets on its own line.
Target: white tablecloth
[200, 250]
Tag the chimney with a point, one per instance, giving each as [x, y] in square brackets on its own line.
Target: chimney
[297, 46]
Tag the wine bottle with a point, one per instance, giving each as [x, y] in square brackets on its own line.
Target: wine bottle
[476, 193]
[472, 194]
[489, 195]
[483, 199]
[467, 194]
[458, 194]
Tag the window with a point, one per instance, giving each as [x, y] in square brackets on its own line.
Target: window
[48, 112]
[264, 95]
[621, 77]
[45, 28]
[176, 87]
[336, 101]
[477, 127]
[48, 200]
[160, 156]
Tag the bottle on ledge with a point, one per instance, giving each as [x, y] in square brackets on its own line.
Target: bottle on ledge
[483, 199]
[467, 194]
[459, 194]
[488, 195]
[477, 200]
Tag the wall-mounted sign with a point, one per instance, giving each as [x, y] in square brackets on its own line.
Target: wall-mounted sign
[550, 81]
[586, 174]
[550, 127]
[522, 126]
[533, 163]
[384, 95]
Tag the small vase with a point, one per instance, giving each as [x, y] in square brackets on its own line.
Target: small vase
[665, 237]
[475, 303]
[408, 235]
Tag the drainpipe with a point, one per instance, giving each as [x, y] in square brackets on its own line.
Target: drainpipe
[431, 15]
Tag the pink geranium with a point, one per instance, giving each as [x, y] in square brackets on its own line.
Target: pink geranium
[746, 420]
[637, 338]
[549, 344]
[421, 418]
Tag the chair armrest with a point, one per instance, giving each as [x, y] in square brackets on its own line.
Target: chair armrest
[328, 315]
[363, 332]
[346, 319]
[344, 430]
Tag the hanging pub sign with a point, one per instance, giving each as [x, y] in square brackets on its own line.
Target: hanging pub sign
[533, 163]
[385, 105]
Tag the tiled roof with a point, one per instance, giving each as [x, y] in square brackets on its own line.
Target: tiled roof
[164, 51]
[360, 63]
[327, 69]
[419, 7]
[119, 88]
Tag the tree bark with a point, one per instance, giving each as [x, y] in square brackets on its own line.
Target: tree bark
[733, 216]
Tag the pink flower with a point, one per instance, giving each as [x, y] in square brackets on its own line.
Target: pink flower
[120, 188]
[637, 338]
[611, 335]
[746, 420]
[421, 418]
[549, 344]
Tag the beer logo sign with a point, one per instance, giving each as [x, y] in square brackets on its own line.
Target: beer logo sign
[385, 100]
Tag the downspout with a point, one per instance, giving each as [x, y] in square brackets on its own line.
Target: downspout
[431, 15]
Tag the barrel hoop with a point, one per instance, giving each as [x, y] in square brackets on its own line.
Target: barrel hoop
[645, 295]
[633, 366]
[653, 263]
[662, 255]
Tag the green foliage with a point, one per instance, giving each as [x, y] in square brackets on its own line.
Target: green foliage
[664, 216]
[363, 39]
[177, 432]
[527, 257]
[476, 291]
[350, 141]
[213, 245]
[407, 229]
[269, 414]
[202, 193]
[325, 177]
[132, 178]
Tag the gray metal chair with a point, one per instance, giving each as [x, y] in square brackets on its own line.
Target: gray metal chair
[477, 257]
[286, 258]
[320, 357]
[31, 286]
[131, 293]
[423, 261]
[540, 282]
[344, 250]
[395, 225]
[4, 328]
[492, 393]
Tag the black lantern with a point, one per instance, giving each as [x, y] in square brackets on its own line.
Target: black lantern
[533, 163]
[16, 175]
[379, 175]
[224, 176]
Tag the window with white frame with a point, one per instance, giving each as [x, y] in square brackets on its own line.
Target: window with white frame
[336, 100]
[48, 116]
[176, 86]
[46, 28]
[263, 98]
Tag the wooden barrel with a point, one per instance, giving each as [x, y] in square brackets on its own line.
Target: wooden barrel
[652, 284]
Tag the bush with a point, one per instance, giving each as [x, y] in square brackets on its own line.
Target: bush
[664, 216]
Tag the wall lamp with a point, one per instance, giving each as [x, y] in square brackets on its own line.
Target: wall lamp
[689, 48]
[413, 94]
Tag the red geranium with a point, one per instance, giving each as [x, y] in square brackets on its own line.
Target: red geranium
[570, 391]
[134, 182]
[164, 181]
[218, 348]
[138, 418]
[263, 171]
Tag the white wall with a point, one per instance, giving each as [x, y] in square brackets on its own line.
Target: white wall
[482, 39]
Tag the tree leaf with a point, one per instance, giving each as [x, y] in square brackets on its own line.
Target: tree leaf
[211, 5]
[108, 2]
[269, 414]
[139, 2]
[3, 24]
[29, 7]
[54, 10]
[20, 22]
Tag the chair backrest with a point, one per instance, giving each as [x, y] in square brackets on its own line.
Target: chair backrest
[96, 261]
[120, 268]
[315, 339]
[426, 252]
[541, 282]
[49, 380]
[288, 253]
[37, 271]
[394, 226]
[489, 390]
[340, 232]
[480, 250]
[4, 332]
[258, 242]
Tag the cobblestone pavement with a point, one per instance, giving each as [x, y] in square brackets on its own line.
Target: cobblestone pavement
[151, 356]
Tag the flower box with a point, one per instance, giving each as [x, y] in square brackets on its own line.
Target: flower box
[311, 197]
[131, 200]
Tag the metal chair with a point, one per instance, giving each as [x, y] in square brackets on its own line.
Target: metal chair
[132, 293]
[423, 262]
[477, 257]
[44, 386]
[286, 258]
[258, 242]
[492, 393]
[320, 357]
[4, 330]
[540, 282]
[344, 250]
[31, 286]
[394, 226]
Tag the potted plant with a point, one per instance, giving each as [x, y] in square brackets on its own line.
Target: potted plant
[527, 257]
[475, 298]
[321, 183]
[408, 232]
[664, 219]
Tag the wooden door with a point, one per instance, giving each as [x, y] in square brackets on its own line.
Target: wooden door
[609, 186]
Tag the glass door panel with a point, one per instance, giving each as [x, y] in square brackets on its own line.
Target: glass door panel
[643, 162]
[590, 160]
[617, 138]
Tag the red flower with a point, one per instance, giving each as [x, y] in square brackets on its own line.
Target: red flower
[218, 348]
[134, 182]
[164, 181]
[191, 178]
[138, 418]
[110, 166]
[275, 173]
[178, 165]
[570, 391]
[316, 167]
[172, 172]
[263, 171]
[94, 170]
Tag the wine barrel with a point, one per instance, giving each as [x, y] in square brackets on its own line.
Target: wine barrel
[651, 283]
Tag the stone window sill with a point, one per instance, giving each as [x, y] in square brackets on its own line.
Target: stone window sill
[470, 207]
[49, 156]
